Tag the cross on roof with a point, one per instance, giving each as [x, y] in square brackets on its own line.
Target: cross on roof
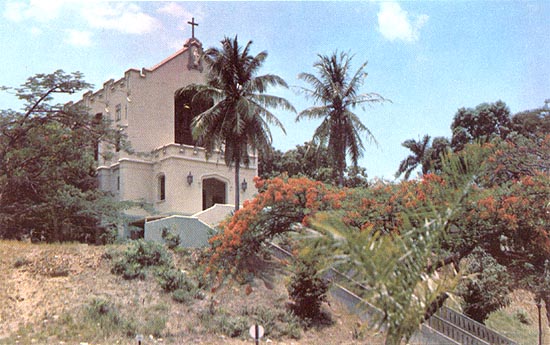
[193, 24]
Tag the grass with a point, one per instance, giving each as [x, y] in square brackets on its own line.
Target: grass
[519, 321]
[99, 321]
[512, 328]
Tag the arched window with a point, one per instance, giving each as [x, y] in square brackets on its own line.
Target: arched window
[185, 111]
[161, 187]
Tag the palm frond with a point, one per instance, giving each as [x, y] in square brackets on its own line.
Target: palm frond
[366, 98]
[356, 81]
[270, 118]
[271, 101]
[261, 83]
[313, 113]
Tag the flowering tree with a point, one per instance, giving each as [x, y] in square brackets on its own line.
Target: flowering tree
[281, 203]
[444, 216]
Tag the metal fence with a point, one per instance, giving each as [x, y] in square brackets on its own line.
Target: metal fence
[473, 327]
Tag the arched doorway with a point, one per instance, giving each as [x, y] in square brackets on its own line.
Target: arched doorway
[213, 192]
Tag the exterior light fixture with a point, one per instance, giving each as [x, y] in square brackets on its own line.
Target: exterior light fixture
[244, 185]
[189, 178]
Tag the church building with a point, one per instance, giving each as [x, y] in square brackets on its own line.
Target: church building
[166, 169]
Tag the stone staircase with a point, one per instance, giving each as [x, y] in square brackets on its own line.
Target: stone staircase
[447, 326]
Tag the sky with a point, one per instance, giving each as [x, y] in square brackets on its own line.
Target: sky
[430, 58]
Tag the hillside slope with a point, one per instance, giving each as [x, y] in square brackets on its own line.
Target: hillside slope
[54, 294]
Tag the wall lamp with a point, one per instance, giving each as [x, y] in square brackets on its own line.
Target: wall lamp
[244, 185]
[189, 178]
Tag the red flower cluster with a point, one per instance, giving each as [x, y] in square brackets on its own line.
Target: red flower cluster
[295, 199]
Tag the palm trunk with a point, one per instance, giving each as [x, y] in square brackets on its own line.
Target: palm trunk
[237, 191]
[340, 177]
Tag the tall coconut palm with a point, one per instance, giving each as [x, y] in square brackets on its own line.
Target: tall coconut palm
[336, 93]
[238, 121]
[419, 150]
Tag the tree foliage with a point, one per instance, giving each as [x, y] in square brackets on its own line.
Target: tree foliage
[335, 91]
[238, 121]
[533, 123]
[311, 161]
[444, 217]
[483, 123]
[488, 288]
[392, 269]
[392, 256]
[306, 160]
[47, 172]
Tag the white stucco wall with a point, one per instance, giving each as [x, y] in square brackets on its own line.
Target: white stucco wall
[146, 102]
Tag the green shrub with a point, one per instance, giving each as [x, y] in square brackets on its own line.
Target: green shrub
[128, 270]
[277, 322]
[139, 256]
[488, 290]
[172, 240]
[105, 315]
[232, 326]
[307, 289]
[148, 254]
[521, 316]
[171, 279]
[182, 296]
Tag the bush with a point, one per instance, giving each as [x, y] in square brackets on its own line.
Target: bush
[139, 256]
[488, 290]
[233, 326]
[148, 254]
[172, 240]
[105, 315]
[521, 316]
[128, 270]
[171, 279]
[307, 289]
[182, 296]
[277, 322]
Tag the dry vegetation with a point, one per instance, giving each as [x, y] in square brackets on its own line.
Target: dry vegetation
[49, 294]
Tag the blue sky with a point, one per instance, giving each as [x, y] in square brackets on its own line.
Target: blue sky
[429, 57]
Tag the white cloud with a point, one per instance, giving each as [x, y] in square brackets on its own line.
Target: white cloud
[175, 10]
[79, 38]
[395, 23]
[124, 17]
[43, 11]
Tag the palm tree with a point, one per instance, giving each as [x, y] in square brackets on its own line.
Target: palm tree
[238, 121]
[441, 146]
[429, 157]
[419, 150]
[336, 94]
